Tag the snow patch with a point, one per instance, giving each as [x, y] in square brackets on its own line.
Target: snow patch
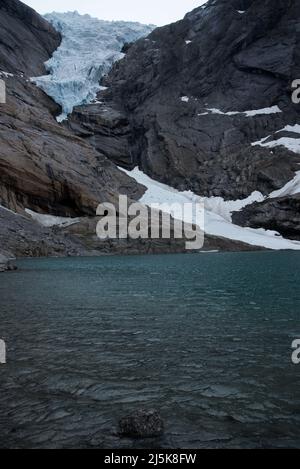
[225, 208]
[291, 188]
[254, 112]
[264, 111]
[6, 74]
[290, 128]
[50, 220]
[88, 50]
[217, 213]
[218, 111]
[292, 144]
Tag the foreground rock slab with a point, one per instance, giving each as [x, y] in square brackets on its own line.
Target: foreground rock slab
[6, 263]
[142, 424]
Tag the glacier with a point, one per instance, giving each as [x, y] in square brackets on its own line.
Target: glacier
[88, 50]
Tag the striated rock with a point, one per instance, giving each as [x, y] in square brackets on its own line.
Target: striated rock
[142, 424]
[27, 40]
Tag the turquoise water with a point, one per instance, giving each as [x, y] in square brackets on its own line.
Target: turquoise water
[204, 338]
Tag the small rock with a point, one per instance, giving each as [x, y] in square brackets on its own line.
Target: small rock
[142, 424]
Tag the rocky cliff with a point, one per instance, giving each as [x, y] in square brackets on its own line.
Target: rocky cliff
[27, 40]
[195, 104]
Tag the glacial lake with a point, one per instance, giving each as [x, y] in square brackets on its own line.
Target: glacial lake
[204, 338]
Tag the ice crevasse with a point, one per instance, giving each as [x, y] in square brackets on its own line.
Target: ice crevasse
[88, 49]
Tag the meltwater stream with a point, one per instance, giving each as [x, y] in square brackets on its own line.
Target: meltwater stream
[205, 338]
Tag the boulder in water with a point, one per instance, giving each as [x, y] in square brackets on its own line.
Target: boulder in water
[142, 424]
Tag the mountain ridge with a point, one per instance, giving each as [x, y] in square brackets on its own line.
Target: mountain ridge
[197, 105]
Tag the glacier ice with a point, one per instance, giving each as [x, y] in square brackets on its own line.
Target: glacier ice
[89, 48]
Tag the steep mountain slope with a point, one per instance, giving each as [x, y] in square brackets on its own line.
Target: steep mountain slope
[27, 40]
[192, 103]
[42, 165]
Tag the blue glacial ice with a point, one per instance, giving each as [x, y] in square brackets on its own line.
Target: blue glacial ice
[89, 48]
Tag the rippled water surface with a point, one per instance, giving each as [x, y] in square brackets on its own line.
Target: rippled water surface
[205, 338]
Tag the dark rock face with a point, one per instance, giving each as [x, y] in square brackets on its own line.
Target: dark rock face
[142, 424]
[27, 40]
[230, 55]
[106, 129]
[22, 237]
[281, 214]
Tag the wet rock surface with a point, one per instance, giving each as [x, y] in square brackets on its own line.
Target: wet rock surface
[142, 424]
